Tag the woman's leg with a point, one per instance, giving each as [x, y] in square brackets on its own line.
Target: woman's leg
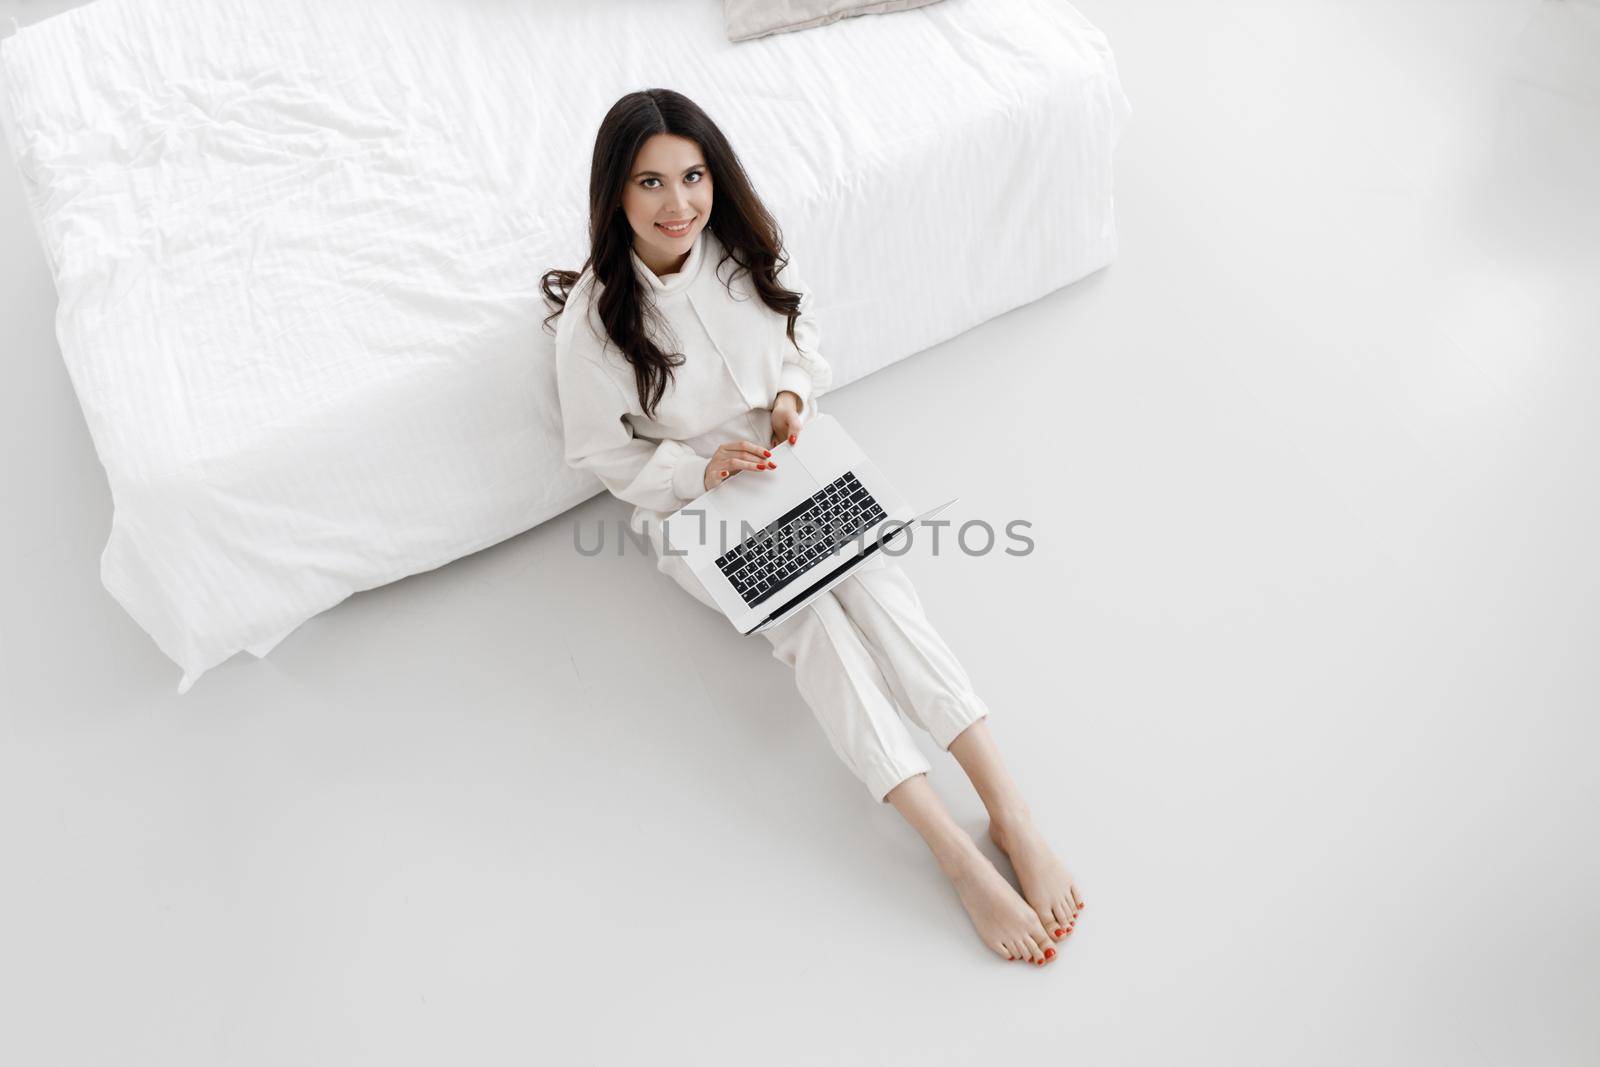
[923, 674]
[840, 679]
[847, 693]
[934, 691]
[836, 673]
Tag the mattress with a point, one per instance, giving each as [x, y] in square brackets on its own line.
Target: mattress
[297, 248]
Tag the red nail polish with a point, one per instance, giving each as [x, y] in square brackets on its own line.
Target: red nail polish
[791, 439]
[772, 466]
[766, 453]
[1049, 953]
[1059, 931]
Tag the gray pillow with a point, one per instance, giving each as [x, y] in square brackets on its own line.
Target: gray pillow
[746, 19]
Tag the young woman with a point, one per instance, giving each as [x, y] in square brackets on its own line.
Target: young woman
[669, 207]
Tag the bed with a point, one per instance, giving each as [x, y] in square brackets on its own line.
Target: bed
[297, 248]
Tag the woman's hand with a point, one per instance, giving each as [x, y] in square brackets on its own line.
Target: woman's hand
[786, 418]
[733, 457]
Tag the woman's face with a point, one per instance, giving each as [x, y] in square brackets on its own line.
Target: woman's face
[668, 183]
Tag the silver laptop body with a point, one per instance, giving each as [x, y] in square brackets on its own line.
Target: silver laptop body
[767, 543]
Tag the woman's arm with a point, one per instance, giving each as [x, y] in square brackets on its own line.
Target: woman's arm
[662, 476]
[804, 373]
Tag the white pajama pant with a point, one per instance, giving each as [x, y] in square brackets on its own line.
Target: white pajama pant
[864, 654]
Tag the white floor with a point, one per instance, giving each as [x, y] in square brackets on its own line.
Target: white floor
[1302, 677]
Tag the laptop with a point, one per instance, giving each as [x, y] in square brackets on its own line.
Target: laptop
[767, 543]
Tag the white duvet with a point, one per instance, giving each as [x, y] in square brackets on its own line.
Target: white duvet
[297, 247]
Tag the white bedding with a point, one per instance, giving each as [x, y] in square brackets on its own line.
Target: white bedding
[297, 248]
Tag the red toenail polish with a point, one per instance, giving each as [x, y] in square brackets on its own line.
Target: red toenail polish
[791, 439]
[1049, 952]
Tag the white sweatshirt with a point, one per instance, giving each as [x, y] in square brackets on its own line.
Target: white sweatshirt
[738, 359]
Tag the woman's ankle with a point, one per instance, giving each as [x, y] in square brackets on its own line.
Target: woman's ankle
[955, 852]
[1008, 819]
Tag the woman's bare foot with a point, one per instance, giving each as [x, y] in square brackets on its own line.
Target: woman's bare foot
[1046, 885]
[1004, 920]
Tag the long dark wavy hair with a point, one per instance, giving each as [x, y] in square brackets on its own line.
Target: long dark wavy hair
[745, 227]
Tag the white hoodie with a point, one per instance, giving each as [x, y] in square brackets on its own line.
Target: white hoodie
[738, 359]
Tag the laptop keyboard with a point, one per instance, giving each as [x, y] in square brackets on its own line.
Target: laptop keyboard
[791, 544]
